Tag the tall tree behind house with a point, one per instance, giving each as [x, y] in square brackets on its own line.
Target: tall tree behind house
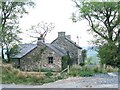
[11, 12]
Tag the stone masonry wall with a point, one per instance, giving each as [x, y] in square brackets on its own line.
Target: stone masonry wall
[65, 44]
[39, 59]
[56, 65]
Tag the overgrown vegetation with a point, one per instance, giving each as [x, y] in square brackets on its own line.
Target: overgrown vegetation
[84, 55]
[83, 71]
[11, 75]
[90, 71]
[66, 60]
[108, 53]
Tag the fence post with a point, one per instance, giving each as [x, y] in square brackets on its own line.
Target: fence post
[68, 68]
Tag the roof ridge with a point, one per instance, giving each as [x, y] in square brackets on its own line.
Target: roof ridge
[53, 48]
[57, 48]
[73, 43]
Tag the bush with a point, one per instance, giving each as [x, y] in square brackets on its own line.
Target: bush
[46, 70]
[84, 71]
[47, 80]
[58, 77]
[98, 70]
[49, 73]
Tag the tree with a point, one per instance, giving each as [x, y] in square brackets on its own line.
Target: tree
[66, 60]
[11, 12]
[40, 30]
[83, 56]
[104, 21]
[107, 54]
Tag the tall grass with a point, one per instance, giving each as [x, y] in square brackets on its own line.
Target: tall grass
[83, 71]
[12, 75]
[89, 71]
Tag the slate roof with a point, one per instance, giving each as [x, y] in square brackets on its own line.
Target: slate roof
[70, 42]
[73, 43]
[24, 49]
[55, 49]
[60, 49]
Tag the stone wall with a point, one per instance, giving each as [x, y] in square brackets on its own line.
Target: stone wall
[30, 62]
[56, 65]
[68, 46]
[38, 58]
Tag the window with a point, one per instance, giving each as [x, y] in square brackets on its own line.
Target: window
[50, 60]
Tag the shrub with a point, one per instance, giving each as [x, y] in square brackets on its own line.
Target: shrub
[58, 77]
[49, 73]
[46, 70]
[47, 80]
[97, 70]
[84, 71]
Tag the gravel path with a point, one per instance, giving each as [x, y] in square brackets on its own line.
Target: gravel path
[97, 81]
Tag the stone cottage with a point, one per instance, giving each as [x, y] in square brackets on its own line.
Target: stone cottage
[43, 55]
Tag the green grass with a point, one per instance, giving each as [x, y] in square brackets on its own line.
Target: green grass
[84, 71]
[11, 75]
[89, 71]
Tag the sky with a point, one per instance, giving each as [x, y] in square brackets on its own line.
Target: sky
[58, 12]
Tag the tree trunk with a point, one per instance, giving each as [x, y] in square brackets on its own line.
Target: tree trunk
[8, 55]
[2, 53]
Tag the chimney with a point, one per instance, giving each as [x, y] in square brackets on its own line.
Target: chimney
[61, 34]
[40, 40]
[68, 37]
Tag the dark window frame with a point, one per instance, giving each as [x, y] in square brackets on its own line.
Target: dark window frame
[50, 60]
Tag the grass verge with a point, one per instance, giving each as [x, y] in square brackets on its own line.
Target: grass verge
[11, 75]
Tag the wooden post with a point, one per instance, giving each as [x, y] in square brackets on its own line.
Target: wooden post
[68, 68]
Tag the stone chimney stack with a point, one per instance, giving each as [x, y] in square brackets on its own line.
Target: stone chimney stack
[61, 34]
[40, 40]
[68, 37]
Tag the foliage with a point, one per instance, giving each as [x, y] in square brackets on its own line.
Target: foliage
[83, 71]
[99, 70]
[11, 12]
[109, 55]
[46, 70]
[84, 52]
[11, 75]
[104, 21]
[14, 50]
[66, 60]
[90, 70]
[49, 73]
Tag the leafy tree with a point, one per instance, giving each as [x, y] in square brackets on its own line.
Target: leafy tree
[104, 22]
[40, 30]
[83, 56]
[66, 60]
[11, 12]
[108, 55]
